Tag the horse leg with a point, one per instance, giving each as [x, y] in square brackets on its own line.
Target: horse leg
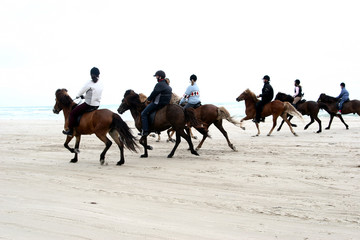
[192, 135]
[108, 143]
[201, 142]
[311, 121]
[288, 123]
[143, 141]
[282, 122]
[158, 140]
[120, 144]
[219, 126]
[330, 121]
[342, 120]
[274, 123]
[244, 119]
[73, 150]
[188, 139]
[170, 139]
[319, 121]
[178, 140]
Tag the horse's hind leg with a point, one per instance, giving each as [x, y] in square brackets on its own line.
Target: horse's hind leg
[120, 144]
[219, 125]
[288, 123]
[187, 137]
[143, 142]
[274, 123]
[319, 121]
[107, 142]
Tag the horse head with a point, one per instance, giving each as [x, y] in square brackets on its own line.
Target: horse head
[247, 94]
[131, 100]
[326, 99]
[284, 97]
[62, 100]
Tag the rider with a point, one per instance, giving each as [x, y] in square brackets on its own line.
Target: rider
[344, 96]
[298, 92]
[159, 97]
[93, 90]
[267, 94]
[192, 95]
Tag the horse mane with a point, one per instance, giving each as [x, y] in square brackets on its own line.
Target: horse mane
[63, 97]
[252, 95]
[327, 98]
[133, 97]
[142, 97]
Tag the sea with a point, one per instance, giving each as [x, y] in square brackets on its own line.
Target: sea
[236, 110]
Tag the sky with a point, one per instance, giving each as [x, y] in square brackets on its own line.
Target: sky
[229, 45]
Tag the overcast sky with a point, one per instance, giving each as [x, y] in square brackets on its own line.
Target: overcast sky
[229, 45]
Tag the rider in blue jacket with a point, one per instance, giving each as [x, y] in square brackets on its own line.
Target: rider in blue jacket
[344, 96]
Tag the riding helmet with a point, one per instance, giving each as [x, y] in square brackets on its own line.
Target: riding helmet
[266, 77]
[297, 81]
[342, 84]
[193, 77]
[161, 74]
[95, 71]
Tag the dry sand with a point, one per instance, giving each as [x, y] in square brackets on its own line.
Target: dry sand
[278, 187]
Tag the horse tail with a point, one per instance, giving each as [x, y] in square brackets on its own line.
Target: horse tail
[290, 109]
[190, 117]
[124, 131]
[223, 113]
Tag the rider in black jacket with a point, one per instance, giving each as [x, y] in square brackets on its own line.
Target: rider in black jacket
[266, 95]
[160, 96]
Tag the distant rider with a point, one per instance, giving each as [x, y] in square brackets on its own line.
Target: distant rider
[344, 96]
[93, 91]
[159, 97]
[267, 94]
[298, 92]
[192, 94]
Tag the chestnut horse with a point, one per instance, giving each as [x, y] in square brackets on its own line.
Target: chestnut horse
[170, 115]
[310, 108]
[100, 122]
[329, 104]
[275, 108]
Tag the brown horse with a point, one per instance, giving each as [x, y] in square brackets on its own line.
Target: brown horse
[169, 116]
[275, 108]
[310, 108]
[210, 114]
[100, 122]
[329, 104]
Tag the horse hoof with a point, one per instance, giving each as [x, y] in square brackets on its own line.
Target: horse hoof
[148, 147]
[102, 161]
[293, 125]
[170, 155]
[233, 148]
[318, 131]
[73, 160]
[144, 156]
[295, 134]
[327, 128]
[195, 153]
[119, 163]
[243, 128]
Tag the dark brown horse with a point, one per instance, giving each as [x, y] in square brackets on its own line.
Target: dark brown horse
[169, 116]
[275, 108]
[310, 108]
[329, 104]
[100, 122]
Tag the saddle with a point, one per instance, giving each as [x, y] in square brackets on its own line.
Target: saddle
[153, 114]
[93, 108]
[197, 105]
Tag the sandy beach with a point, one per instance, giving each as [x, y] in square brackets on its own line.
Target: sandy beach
[277, 187]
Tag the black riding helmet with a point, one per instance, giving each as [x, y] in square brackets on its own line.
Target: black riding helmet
[95, 71]
[161, 74]
[193, 77]
[266, 77]
[297, 81]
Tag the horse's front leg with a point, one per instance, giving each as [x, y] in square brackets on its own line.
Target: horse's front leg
[143, 142]
[244, 119]
[342, 120]
[274, 123]
[76, 149]
[330, 121]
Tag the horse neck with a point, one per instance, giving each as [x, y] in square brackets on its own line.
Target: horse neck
[249, 102]
[67, 110]
[136, 114]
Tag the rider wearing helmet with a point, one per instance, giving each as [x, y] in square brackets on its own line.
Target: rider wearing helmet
[159, 97]
[266, 95]
[298, 92]
[192, 94]
[93, 91]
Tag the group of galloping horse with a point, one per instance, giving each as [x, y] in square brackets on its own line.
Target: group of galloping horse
[173, 117]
